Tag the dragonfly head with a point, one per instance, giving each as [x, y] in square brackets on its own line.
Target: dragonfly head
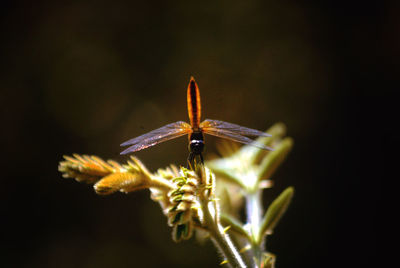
[196, 143]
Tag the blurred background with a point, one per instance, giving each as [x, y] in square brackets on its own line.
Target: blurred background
[84, 76]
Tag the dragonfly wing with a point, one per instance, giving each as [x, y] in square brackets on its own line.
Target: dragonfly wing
[229, 127]
[167, 132]
[233, 132]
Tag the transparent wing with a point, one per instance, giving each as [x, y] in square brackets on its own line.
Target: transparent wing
[225, 126]
[167, 132]
[233, 132]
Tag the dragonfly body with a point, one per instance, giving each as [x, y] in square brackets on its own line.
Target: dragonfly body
[196, 146]
[194, 104]
[195, 130]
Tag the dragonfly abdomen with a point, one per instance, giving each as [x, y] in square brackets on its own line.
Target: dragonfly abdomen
[194, 105]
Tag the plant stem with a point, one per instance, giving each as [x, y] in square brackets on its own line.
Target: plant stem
[221, 239]
[254, 214]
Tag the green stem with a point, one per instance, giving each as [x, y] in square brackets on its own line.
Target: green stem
[254, 217]
[221, 239]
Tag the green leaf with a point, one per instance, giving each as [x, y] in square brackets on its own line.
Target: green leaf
[224, 168]
[272, 160]
[254, 154]
[182, 232]
[275, 212]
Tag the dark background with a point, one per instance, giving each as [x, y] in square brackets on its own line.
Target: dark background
[83, 76]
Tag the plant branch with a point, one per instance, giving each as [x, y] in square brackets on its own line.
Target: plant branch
[254, 214]
[220, 238]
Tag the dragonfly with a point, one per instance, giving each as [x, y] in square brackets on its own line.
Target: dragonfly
[195, 130]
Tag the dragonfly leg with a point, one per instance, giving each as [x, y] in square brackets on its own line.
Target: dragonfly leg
[190, 162]
[201, 159]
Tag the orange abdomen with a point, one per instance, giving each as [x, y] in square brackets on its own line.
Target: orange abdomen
[194, 105]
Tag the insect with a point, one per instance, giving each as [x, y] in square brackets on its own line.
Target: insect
[195, 130]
